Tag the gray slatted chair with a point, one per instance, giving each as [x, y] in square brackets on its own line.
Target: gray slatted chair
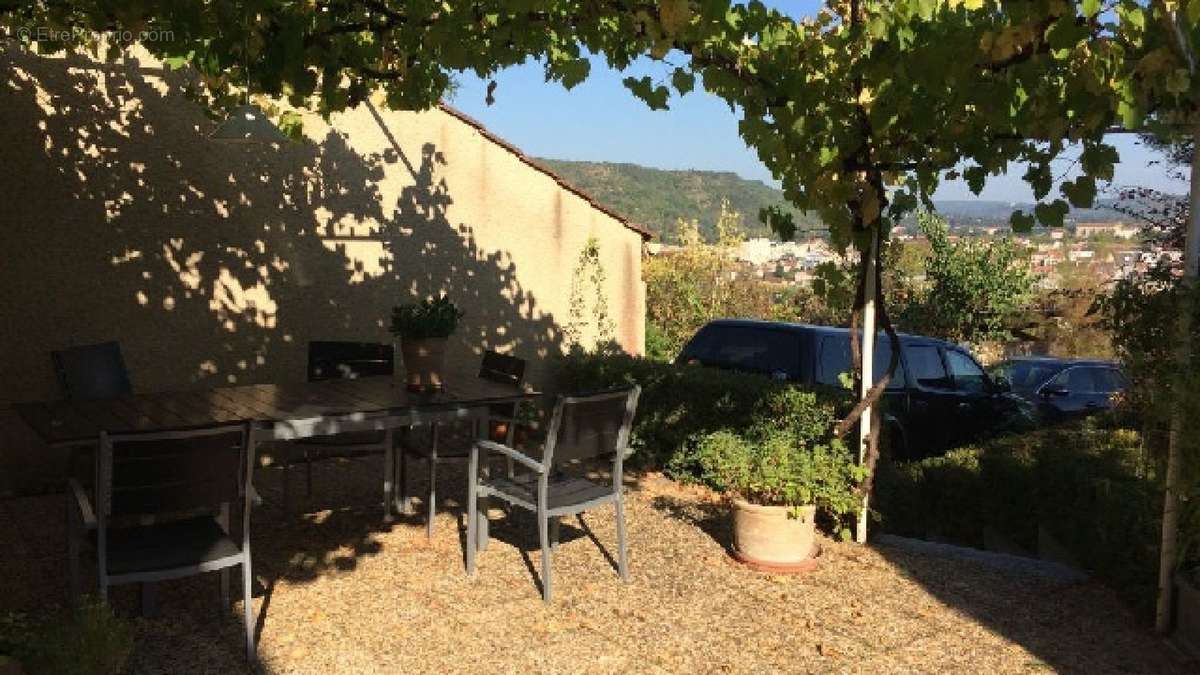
[162, 509]
[330, 360]
[582, 428]
[452, 443]
[87, 372]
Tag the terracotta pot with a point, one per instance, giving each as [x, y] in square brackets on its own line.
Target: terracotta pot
[769, 536]
[499, 433]
[424, 363]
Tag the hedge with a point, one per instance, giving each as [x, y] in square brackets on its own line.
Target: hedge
[681, 403]
[1088, 487]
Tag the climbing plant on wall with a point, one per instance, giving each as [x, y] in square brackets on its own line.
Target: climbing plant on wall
[588, 311]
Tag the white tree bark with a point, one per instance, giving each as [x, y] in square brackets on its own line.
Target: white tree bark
[867, 376]
[1170, 524]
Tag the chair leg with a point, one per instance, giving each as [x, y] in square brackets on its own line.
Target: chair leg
[248, 607]
[544, 536]
[472, 514]
[223, 519]
[308, 462]
[555, 526]
[389, 475]
[472, 529]
[225, 589]
[433, 462]
[622, 554]
[432, 498]
[285, 466]
[402, 482]
[73, 587]
[483, 533]
[485, 507]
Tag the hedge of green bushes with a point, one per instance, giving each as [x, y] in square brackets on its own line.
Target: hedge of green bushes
[679, 404]
[1086, 484]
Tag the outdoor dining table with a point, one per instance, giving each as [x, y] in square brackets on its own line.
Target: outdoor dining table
[277, 412]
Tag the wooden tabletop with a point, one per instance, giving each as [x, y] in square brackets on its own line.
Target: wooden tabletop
[66, 422]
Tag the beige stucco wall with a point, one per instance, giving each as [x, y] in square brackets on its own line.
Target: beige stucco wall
[215, 263]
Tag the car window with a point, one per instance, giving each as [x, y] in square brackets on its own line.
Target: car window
[1109, 380]
[926, 367]
[747, 348]
[967, 374]
[1026, 376]
[834, 358]
[698, 347]
[1077, 380]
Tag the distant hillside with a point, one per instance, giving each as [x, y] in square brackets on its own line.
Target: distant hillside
[982, 212]
[657, 198]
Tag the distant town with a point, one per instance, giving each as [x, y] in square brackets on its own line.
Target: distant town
[1106, 251]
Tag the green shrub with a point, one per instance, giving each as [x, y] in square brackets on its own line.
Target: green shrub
[88, 640]
[680, 404]
[1087, 484]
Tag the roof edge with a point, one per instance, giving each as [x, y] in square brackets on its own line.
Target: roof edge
[542, 168]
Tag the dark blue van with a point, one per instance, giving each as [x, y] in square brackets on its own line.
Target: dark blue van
[938, 398]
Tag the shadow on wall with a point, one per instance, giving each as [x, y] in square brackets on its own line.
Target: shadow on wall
[215, 263]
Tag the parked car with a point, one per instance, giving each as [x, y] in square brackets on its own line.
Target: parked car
[1063, 388]
[938, 398]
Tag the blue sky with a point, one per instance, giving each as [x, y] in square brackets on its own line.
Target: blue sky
[600, 121]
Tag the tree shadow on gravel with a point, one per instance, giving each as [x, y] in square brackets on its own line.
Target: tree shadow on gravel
[1072, 627]
[710, 518]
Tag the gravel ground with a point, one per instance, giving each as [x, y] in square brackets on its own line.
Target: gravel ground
[339, 592]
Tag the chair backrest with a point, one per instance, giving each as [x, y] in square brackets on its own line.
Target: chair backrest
[91, 371]
[158, 473]
[328, 360]
[502, 368]
[589, 426]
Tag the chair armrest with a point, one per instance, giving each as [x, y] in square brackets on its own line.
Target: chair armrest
[518, 456]
[86, 513]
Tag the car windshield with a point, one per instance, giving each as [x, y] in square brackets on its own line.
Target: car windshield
[1027, 376]
[746, 348]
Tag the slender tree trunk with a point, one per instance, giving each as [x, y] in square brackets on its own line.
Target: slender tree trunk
[867, 376]
[1170, 525]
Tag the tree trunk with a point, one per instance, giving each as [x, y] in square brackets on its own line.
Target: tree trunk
[1170, 524]
[867, 376]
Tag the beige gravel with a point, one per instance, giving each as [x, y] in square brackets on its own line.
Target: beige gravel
[339, 592]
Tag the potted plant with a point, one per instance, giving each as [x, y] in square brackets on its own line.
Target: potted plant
[423, 329]
[776, 486]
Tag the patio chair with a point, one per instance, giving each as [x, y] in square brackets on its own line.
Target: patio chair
[328, 360]
[87, 372]
[162, 509]
[452, 443]
[582, 428]
[91, 371]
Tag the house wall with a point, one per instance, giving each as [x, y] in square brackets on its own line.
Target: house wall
[215, 263]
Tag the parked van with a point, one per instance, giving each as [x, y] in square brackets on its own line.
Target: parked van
[938, 398]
